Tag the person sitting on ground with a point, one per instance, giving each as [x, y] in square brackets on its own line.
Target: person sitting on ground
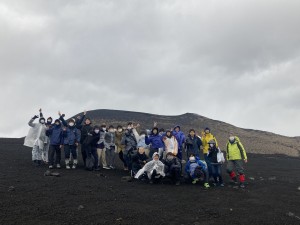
[236, 156]
[153, 169]
[216, 165]
[196, 171]
[139, 160]
[172, 168]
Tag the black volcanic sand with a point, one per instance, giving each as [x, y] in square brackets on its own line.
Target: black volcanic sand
[82, 197]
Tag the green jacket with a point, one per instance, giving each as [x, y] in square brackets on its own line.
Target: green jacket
[235, 151]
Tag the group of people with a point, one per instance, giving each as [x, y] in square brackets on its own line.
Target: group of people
[148, 155]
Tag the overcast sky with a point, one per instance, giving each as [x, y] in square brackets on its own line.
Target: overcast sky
[235, 61]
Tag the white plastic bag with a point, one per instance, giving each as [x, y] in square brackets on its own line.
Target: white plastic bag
[220, 157]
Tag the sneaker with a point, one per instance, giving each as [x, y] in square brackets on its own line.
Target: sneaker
[177, 183]
[125, 169]
[112, 167]
[151, 182]
[206, 185]
[106, 167]
[195, 181]
[242, 185]
[50, 167]
[222, 185]
[74, 166]
[68, 167]
[58, 166]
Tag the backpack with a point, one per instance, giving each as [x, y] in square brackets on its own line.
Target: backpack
[89, 163]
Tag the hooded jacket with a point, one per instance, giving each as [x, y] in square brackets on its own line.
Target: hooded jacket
[190, 166]
[171, 144]
[129, 141]
[150, 166]
[172, 164]
[155, 140]
[205, 139]
[71, 136]
[55, 133]
[36, 135]
[193, 144]
[235, 150]
[179, 136]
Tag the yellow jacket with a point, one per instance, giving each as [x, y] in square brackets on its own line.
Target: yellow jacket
[205, 139]
[235, 151]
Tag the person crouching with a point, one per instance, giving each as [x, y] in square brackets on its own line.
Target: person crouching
[153, 169]
[196, 170]
[173, 168]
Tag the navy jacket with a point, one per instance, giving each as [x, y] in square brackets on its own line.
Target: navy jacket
[55, 133]
[71, 136]
[155, 140]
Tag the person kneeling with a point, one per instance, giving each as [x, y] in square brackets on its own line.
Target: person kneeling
[153, 169]
[197, 171]
[138, 161]
[172, 168]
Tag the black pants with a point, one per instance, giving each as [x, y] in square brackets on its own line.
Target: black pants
[121, 156]
[84, 150]
[54, 149]
[175, 174]
[155, 177]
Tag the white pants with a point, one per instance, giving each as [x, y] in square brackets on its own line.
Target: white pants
[37, 153]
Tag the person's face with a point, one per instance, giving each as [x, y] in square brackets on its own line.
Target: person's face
[207, 131]
[177, 129]
[168, 133]
[192, 133]
[87, 122]
[156, 158]
[141, 150]
[154, 131]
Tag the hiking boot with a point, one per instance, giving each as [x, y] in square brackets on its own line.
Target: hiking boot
[97, 168]
[151, 182]
[206, 185]
[106, 167]
[242, 185]
[195, 181]
[58, 166]
[74, 166]
[51, 167]
[177, 183]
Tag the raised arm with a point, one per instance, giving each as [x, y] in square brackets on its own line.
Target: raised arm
[61, 117]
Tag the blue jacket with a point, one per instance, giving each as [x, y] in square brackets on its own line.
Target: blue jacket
[155, 140]
[198, 161]
[71, 136]
[179, 136]
[55, 133]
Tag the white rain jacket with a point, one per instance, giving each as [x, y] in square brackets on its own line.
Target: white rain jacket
[36, 135]
[150, 166]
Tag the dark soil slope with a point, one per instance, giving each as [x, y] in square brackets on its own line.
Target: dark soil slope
[81, 197]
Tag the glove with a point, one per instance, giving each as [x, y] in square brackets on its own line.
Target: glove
[63, 115]
[35, 117]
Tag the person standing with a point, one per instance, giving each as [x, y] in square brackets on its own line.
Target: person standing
[36, 139]
[71, 140]
[179, 135]
[205, 139]
[216, 165]
[236, 157]
[109, 142]
[55, 134]
[193, 144]
[120, 147]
